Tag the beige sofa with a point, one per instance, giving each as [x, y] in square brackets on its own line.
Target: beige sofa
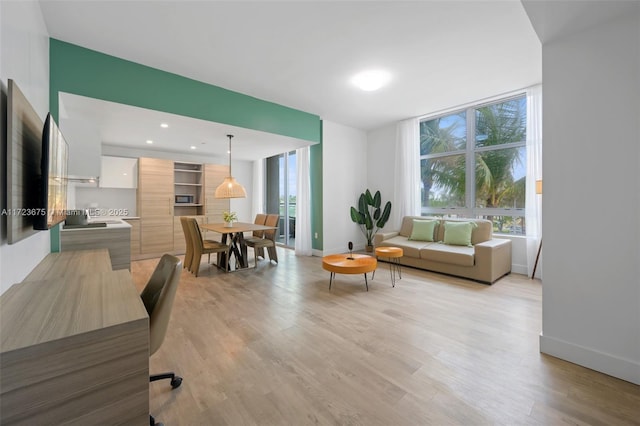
[486, 260]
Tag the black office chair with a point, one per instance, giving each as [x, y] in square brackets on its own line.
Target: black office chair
[158, 296]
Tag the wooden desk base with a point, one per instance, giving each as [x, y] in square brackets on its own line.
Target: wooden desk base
[74, 349]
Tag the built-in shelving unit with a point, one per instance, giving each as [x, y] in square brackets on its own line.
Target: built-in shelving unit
[188, 180]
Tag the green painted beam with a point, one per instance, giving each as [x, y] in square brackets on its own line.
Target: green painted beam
[81, 71]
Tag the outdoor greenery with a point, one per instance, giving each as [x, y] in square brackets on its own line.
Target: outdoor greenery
[498, 151]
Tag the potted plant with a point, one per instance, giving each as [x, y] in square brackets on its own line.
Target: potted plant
[370, 216]
[229, 218]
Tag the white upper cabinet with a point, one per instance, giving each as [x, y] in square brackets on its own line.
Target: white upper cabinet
[119, 172]
[84, 147]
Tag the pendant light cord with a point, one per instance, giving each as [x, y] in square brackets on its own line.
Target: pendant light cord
[230, 136]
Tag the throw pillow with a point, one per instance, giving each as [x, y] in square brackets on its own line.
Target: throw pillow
[458, 233]
[423, 230]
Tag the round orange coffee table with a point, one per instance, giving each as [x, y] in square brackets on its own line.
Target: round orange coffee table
[349, 264]
[393, 254]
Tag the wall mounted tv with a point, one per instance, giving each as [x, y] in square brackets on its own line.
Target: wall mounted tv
[52, 191]
[24, 145]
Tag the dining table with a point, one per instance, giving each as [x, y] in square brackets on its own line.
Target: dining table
[234, 236]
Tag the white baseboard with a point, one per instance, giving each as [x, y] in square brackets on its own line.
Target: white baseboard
[519, 269]
[611, 365]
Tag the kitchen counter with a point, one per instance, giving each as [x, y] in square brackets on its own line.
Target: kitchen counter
[115, 236]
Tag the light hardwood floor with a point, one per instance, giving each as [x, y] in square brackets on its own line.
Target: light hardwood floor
[274, 346]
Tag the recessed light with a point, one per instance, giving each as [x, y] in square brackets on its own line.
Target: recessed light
[149, 141]
[124, 174]
[164, 125]
[371, 80]
[193, 147]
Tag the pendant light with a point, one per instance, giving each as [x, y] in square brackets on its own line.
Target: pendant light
[230, 188]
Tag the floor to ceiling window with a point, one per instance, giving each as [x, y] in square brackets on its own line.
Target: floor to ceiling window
[281, 172]
[473, 163]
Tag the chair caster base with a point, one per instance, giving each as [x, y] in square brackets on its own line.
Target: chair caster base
[176, 382]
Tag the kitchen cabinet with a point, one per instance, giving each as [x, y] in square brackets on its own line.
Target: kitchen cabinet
[135, 237]
[188, 189]
[116, 237]
[85, 147]
[155, 205]
[159, 182]
[118, 172]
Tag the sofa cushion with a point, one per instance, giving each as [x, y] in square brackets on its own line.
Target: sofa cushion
[484, 231]
[407, 224]
[456, 255]
[409, 248]
[458, 233]
[423, 230]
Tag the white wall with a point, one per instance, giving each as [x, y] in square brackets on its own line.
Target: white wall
[591, 111]
[24, 58]
[381, 157]
[243, 172]
[344, 178]
[106, 199]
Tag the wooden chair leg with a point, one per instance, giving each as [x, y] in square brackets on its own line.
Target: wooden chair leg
[273, 254]
[195, 264]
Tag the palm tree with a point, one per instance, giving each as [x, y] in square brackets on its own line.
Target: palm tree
[495, 184]
[443, 172]
[496, 125]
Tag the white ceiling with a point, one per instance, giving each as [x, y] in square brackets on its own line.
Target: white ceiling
[302, 54]
[129, 126]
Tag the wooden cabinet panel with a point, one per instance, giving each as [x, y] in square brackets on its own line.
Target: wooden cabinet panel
[116, 240]
[135, 237]
[155, 205]
[156, 239]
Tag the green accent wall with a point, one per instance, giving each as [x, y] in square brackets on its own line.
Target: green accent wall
[315, 166]
[77, 70]
[54, 234]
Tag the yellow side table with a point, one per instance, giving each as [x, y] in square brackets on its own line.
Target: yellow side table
[349, 264]
[393, 254]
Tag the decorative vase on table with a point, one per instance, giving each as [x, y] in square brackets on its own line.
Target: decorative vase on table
[229, 217]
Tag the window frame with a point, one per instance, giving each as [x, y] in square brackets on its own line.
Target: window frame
[470, 209]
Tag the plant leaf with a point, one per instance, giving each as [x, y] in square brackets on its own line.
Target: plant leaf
[369, 198]
[377, 200]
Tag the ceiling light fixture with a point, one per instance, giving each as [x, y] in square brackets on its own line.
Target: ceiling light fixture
[371, 80]
[149, 141]
[230, 188]
[164, 125]
[192, 147]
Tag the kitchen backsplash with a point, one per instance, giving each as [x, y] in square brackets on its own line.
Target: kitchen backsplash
[106, 201]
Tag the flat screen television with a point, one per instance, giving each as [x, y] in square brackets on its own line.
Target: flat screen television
[52, 190]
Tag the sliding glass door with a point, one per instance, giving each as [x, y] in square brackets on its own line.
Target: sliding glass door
[281, 175]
